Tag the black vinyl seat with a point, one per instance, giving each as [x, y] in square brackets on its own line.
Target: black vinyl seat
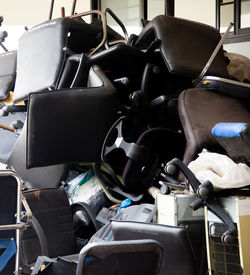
[185, 47]
[180, 49]
[44, 160]
[178, 257]
[7, 73]
[53, 62]
[53, 222]
[120, 257]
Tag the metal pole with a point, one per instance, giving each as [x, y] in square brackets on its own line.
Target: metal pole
[198, 79]
[73, 7]
[51, 9]
[4, 48]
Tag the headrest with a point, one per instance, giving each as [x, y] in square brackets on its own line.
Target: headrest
[185, 45]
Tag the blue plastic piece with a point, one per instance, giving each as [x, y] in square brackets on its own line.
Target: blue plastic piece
[124, 204]
[10, 250]
[228, 129]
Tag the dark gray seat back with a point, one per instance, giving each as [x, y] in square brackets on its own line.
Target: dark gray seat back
[51, 209]
[74, 125]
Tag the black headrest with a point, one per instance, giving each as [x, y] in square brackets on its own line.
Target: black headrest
[185, 45]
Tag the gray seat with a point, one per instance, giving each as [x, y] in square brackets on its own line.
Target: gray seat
[178, 257]
[7, 73]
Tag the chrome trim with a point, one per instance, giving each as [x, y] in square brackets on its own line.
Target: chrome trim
[119, 22]
[104, 26]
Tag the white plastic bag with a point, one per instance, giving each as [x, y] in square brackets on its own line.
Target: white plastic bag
[220, 170]
[239, 66]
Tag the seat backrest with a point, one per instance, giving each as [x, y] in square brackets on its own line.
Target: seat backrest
[36, 177]
[76, 122]
[185, 45]
[50, 207]
[199, 110]
[7, 73]
[120, 257]
[178, 256]
[43, 50]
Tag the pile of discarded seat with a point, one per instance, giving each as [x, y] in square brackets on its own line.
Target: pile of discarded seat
[114, 145]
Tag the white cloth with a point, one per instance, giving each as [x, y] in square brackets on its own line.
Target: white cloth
[220, 170]
[239, 66]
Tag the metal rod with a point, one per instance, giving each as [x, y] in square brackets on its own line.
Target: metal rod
[104, 26]
[119, 23]
[145, 9]
[27, 208]
[11, 226]
[8, 128]
[51, 9]
[227, 3]
[73, 7]
[18, 221]
[216, 50]
[4, 48]
[169, 7]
